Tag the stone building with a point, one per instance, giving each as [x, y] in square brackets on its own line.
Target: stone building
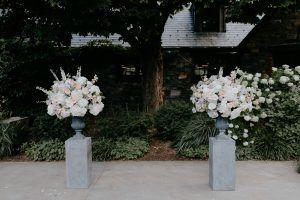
[194, 48]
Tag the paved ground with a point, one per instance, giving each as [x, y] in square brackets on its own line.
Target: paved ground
[148, 180]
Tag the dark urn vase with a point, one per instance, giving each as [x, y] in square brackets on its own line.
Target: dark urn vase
[222, 125]
[78, 125]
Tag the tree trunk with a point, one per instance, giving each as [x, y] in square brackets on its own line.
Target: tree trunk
[152, 69]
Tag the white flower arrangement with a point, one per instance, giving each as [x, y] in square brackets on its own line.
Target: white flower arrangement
[223, 96]
[73, 96]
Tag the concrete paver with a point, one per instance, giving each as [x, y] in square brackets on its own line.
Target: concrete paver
[148, 180]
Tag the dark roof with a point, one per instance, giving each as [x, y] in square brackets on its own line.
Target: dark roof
[179, 33]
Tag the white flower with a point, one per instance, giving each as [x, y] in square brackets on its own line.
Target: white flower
[194, 110]
[76, 95]
[249, 77]
[245, 135]
[255, 119]
[261, 99]
[247, 118]
[83, 103]
[259, 93]
[237, 126]
[229, 131]
[296, 77]
[285, 66]
[246, 130]
[278, 92]
[245, 143]
[264, 81]
[274, 69]
[288, 71]
[95, 109]
[290, 84]
[263, 115]
[235, 113]
[81, 80]
[297, 69]
[78, 111]
[212, 106]
[251, 124]
[230, 125]
[234, 137]
[269, 101]
[251, 142]
[271, 81]
[267, 90]
[258, 75]
[95, 89]
[51, 110]
[65, 113]
[283, 79]
[245, 83]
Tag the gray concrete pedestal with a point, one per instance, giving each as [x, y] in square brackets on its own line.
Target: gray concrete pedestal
[78, 162]
[222, 164]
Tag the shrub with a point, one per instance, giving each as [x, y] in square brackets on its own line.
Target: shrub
[50, 150]
[7, 135]
[129, 148]
[124, 124]
[196, 133]
[102, 148]
[201, 152]
[171, 118]
[46, 127]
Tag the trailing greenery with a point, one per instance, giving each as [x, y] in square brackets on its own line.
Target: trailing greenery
[171, 118]
[116, 149]
[200, 152]
[49, 150]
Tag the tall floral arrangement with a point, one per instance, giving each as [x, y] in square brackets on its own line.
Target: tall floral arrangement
[73, 96]
[223, 96]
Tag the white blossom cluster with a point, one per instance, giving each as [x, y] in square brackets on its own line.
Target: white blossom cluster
[223, 96]
[269, 89]
[73, 96]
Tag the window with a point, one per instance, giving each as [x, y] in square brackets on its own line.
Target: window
[200, 70]
[130, 73]
[209, 19]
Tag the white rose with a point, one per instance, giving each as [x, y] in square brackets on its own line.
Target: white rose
[212, 113]
[278, 92]
[251, 142]
[245, 135]
[246, 130]
[255, 119]
[234, 137]
[69, 102]
[290, 84]
[83, 103]
[95, 109]
[65, 113]
[229, 131]
[78, 111]
[272, 95]
[95, 89]
[230, 125]
[245, 83]
[82, 80]
[271, 81]
[76, 95]
[267, 90]
[237, 126]
[274, 69]
[51, 110]
[212, 106]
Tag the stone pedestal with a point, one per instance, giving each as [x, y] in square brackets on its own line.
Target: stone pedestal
[78, 162]
[222, 164]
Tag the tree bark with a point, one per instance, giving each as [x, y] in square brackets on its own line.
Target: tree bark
[152, 69]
